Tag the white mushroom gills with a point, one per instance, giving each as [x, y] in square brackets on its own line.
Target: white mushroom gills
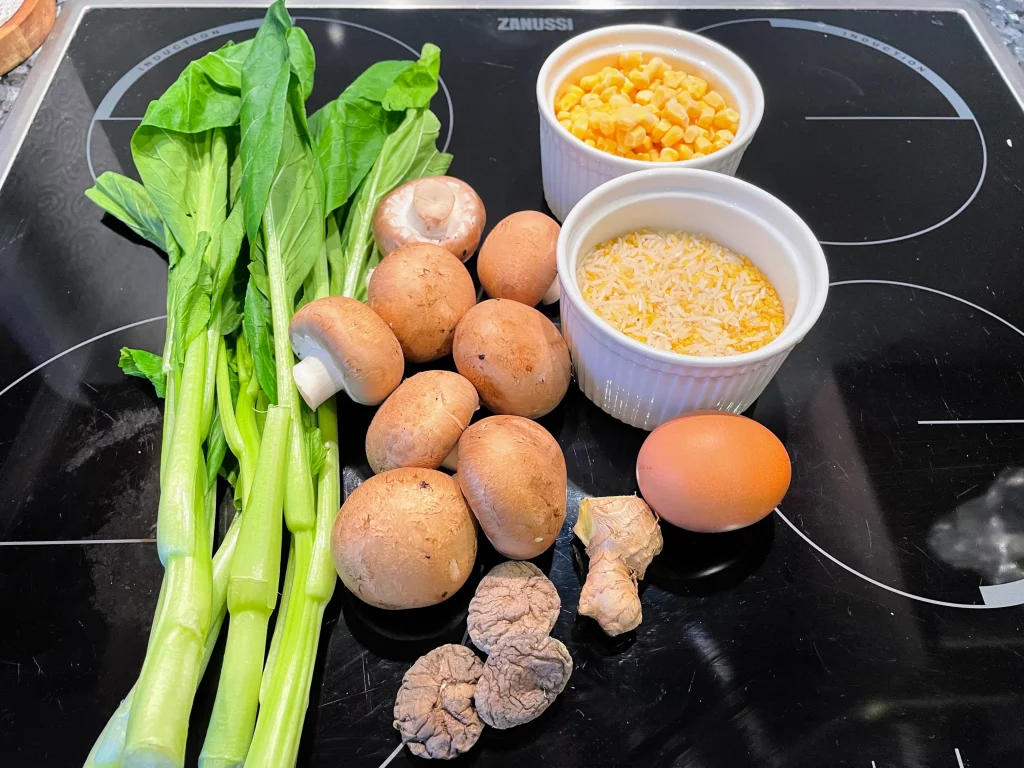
[316, 375]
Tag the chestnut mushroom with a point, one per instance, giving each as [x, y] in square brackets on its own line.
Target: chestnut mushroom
[513, 475]
[513, 598]
[521, 678]
[422, 292]
[517, 260]
[343, 345]
[440, 210]
[404, 539]
[422, 421]
[434, 707]
[515, 357]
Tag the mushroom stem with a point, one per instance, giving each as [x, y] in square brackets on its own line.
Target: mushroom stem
[317, 378]
[452, 459]
[433, 202]
[552, 293]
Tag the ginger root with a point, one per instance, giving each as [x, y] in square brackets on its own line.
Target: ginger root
[622, 536]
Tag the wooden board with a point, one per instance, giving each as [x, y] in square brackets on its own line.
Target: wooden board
[25, 31]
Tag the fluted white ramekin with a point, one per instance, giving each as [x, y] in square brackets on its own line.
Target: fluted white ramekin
[570, 168]
[646, 387]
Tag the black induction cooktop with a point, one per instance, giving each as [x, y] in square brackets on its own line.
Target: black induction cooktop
[874, 621]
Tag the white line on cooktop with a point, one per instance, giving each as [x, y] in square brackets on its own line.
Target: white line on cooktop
[393, 755]
[880, 117]
[943, 422]
[959, 760]
[79, 541]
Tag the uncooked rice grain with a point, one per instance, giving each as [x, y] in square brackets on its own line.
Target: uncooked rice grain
[681, 292]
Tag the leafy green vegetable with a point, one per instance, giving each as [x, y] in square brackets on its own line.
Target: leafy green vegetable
[302, 58]
[265, 77]
[145, 365]
[127, 200]
[189, 286]
[415, 87]
[414, 137]
[257, 325]
[197, 102]
[375, 82]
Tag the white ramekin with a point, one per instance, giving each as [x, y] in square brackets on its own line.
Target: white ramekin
[570, 168]
[646, 387]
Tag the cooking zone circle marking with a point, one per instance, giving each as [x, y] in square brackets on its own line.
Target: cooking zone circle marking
[959, 106]
[109, 102]
[993, 596]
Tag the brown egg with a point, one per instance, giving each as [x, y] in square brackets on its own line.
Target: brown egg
[712, 471]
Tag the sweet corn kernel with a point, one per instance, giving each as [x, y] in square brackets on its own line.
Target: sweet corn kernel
[693, 109]
[643, 97]
[635, 137]
[569, 101]
[648, 111]
[673, 78]
[661, 96]
[672, 136]
[713, 99]
[674, 112]
[639, 78]
[647, 119]
[707, 116]
[654, 67]
[695, 85]
[630, 59]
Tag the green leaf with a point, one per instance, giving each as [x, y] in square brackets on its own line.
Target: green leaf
[229, 243]
[317, 450]
[127, 200]
[302, 58]
[294, 214]
[348, 134]
[224, 66]
[335, 253]
[375, 82]
[216, 448]
[395, 162]
[416, 86]
[186, 176]
[265, 78]
[257, 325]
[194, 103]
[145, 365]
[189, 286]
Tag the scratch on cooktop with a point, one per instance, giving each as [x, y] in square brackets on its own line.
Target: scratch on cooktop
[816, 651]
[496, 64]
[868, 526]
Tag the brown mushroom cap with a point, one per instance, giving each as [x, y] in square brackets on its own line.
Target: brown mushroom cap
[422, 421]
[514, 597]
[434, 707]
[440, 210]
[343, 344]
[422, 292]
[404, 539]
[515, 357]
[521, 679]
[513, 475]
[517, 260]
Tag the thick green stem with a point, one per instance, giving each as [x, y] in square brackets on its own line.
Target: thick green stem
[175, 527]
[170, 400]
[252, 595]
[213, 342]
[299, 503]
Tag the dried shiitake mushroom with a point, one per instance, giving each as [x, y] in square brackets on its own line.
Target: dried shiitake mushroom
[434, 707]
[521, 678]
[514, 598]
